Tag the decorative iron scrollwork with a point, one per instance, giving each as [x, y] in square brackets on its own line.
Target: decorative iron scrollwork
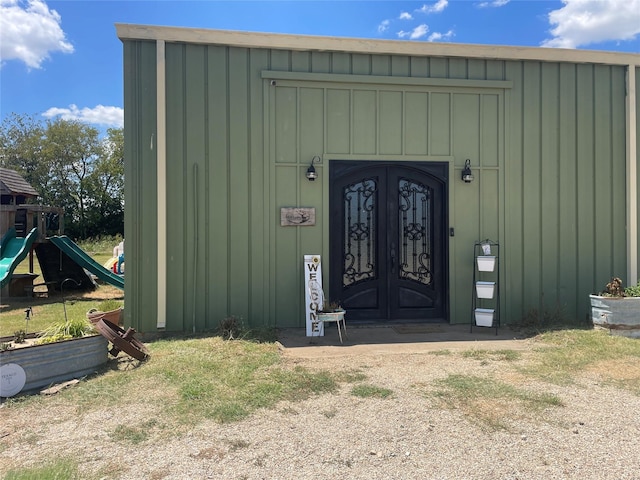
[360, 231]
[415, 230]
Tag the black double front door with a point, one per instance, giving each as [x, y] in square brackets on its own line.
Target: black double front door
[388, 254]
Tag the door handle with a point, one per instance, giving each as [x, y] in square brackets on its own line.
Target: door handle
[393, 257]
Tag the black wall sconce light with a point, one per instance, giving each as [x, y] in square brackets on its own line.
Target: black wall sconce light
[467, 176]
[311, 171]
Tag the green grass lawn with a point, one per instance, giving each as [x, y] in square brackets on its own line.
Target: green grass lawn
[46, 311]
[49, 309]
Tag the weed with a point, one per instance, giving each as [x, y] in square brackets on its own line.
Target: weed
[371, 391]
[351, 376]
[260, 460]
[262, 335]
[330, 413]
[158, 475]
[209, 453]
[237, 444]
[113, 469]
[441, 353]
[535, 320]
[127, 433]
[231, 328]
[19, 336]
[55, 470]
[289, 411]
[486, 355]
[490, 401]
[4, 346]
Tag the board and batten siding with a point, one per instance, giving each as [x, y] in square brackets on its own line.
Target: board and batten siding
[548, 154]
[341, 121]
[140, 169]
[565, 186]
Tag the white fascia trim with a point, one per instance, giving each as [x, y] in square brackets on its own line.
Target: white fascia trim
[368, 46]
[632, 175]
[161, 180]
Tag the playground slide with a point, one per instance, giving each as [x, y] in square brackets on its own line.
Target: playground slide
[12, 251]
[75, 253]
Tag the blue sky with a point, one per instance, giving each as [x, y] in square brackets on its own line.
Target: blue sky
[62, 58]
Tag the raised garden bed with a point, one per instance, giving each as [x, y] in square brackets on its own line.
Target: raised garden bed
[50, 363]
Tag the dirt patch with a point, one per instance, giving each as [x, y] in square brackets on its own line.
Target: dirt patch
[620, 369]
[28, 342]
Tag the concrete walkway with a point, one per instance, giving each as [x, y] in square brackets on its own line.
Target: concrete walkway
[411, 338]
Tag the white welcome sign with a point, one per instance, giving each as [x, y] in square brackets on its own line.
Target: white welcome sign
[313, 298]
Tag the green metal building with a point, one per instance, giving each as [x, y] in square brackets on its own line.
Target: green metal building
[221, 129]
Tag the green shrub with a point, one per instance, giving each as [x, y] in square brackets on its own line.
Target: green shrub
[632, 291]
[109, 305]
[73, 328]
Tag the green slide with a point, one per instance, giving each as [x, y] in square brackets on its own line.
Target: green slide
[12, 251]
[75, 253]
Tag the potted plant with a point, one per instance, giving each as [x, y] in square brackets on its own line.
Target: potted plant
[332, 311]
[617, 309]
[331, 308]
[109, 310]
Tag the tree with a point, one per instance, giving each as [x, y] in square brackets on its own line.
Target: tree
[71, 148]
[21, 140]
[106, 185]
[68, 163]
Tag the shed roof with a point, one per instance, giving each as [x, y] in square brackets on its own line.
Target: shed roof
[362, 45]
[11, 183]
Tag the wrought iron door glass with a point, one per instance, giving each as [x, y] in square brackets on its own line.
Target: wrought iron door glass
[415, 217]
[360, 231]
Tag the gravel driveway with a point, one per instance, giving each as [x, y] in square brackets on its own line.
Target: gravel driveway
[413, 434]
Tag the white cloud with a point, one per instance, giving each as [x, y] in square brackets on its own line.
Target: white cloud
[437, 7]
[98, 115]
[586, 22]
[440, 37]
[493, 3]
[405, 16]
[384, 26]
[418, 32]
[30, 32]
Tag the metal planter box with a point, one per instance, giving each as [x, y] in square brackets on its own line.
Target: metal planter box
[621, 315]
[486, 263]
[57, 362]
[484, 317]
[485, 289]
